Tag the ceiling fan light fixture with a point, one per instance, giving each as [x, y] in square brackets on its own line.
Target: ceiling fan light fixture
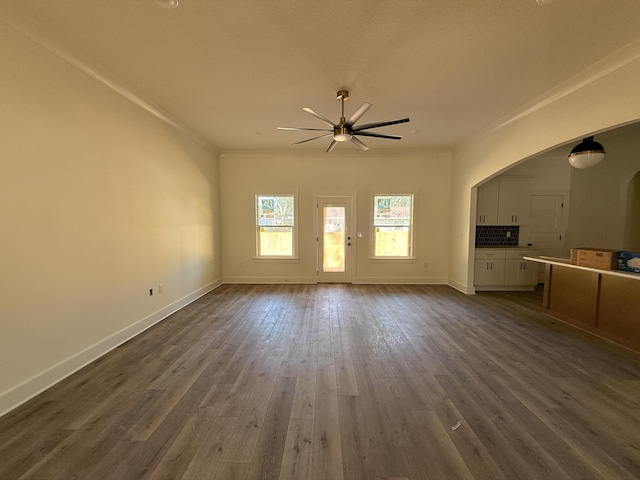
[586, 154]
[345, 130]
[341, 134]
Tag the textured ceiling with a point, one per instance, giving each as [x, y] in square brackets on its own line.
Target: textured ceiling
[232, 71]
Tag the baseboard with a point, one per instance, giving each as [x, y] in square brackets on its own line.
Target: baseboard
[37, 384]
[400, 281]
[461, 287]
[269, 280]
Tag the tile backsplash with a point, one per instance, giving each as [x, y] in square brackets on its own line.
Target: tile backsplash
[497, 235]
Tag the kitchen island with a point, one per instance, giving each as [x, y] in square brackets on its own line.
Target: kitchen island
[603, 302]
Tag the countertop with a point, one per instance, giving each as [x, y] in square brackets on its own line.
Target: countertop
[565, 262]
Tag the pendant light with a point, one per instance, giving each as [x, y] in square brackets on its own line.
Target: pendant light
[586, 154]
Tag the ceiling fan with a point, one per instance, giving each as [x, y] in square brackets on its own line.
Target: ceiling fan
[345, 130]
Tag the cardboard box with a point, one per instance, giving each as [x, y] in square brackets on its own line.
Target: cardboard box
[574, 256]
[629, 261]
[597, 258]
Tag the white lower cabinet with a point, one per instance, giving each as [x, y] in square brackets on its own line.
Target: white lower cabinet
[504, 269]
[489, 267]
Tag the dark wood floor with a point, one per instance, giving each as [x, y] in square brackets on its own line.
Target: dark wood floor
[340, 382]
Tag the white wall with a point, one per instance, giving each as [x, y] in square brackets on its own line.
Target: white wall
[598, 211]
[550, 174]
[99, 202]
[309, 174]
[598, 99]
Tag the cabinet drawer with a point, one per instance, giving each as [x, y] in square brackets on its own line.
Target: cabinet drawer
[489, 253]
[518, 254]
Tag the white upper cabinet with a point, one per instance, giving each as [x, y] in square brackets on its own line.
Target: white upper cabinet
[487, 211]
[504, 202]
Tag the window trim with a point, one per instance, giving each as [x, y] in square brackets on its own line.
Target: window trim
[294, 230]
[411, 257]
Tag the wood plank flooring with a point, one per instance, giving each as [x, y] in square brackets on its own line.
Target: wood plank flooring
[340, 382]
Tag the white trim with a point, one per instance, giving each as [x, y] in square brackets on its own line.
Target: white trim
[275, 259]
[401, 280]
[466, 289]
[606, 66]
[115, 84]
[37, 384]
[274, 280]
[294, 228]
[432, 154]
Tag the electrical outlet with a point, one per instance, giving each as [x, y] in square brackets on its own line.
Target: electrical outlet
[161, 288]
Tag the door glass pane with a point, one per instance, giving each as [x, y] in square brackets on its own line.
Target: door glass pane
[333, 244]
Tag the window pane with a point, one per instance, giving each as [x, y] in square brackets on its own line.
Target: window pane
[275, 225]
[275, 210]
[333, 244]
[392, 210]
[392, 241]
[392, 221]
[276, 241]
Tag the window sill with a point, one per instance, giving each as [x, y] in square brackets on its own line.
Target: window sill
[393, 260]
[276, 259]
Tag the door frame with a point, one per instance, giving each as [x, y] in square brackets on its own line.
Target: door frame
[349, 201]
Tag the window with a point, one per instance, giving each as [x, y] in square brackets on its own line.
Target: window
[275, 225]
[392, 226]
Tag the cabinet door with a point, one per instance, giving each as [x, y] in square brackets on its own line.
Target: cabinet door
[487, 210]
[489, 272]
[514, 202]
[520, 272]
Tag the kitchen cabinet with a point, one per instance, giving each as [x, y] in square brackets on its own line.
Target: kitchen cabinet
[487, 210]
[520, 272]
[504, 269]
[504, 202]
[489, 267]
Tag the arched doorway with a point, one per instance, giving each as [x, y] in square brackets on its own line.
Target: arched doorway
[632, 215]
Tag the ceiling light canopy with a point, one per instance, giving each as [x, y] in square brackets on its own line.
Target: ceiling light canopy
[586, 154]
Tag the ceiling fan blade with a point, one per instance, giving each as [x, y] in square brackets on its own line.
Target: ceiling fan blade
[313, 138]
[303, 128]
[324, 119]
[379, 124]
[358, 113]
[332, 145]
[359, 143]
[378, 135]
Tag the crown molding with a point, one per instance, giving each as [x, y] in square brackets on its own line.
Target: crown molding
[600, 69]
[115, 84]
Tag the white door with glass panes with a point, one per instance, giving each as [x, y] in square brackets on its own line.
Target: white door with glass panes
[335, 240]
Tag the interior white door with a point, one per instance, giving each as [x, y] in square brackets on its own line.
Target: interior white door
[335, 239]
[547, 226]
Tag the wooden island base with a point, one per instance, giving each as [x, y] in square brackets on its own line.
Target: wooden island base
[605, 303]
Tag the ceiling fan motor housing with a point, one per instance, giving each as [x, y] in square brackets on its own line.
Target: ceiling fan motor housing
[342, 133]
